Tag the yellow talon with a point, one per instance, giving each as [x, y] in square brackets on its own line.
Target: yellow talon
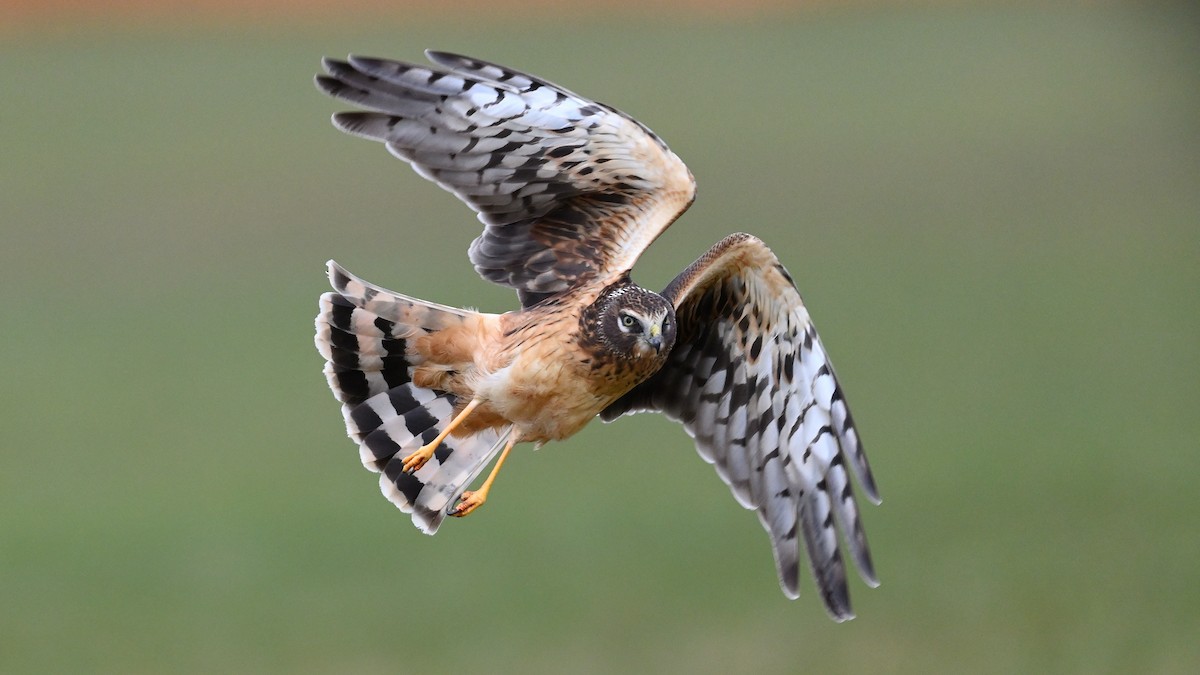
[471, 500]
[416, 460]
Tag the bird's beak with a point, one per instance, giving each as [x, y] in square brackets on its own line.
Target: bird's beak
[655, 338]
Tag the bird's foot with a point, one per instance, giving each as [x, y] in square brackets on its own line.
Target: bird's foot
[416, 460]
[468, 502]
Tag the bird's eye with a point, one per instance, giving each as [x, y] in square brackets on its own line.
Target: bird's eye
[628, 321]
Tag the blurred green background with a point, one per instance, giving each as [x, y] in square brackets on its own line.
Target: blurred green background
[993, 213]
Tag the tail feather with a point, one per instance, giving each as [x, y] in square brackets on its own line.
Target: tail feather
[392, 306]
[385, 424]
[433, 490]
[365, 355]
[363, 331]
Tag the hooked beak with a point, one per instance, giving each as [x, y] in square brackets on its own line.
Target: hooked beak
[655, 338]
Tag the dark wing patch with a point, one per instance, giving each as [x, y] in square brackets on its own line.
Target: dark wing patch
[750, 381]
[569, 190]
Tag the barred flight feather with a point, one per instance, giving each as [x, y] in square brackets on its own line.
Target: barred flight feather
[569, 190]
[751, 384]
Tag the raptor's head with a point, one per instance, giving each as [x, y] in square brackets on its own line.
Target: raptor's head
[635, 322]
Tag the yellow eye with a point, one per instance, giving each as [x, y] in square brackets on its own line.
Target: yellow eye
[628, 321]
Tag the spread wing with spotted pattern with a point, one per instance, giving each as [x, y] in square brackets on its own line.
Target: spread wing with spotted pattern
[751, 383]
[570, 191]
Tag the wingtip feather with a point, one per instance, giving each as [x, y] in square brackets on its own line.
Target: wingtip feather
[868, 485]
[328, 85]
[443, 58]
[843, 617]
[330, 64]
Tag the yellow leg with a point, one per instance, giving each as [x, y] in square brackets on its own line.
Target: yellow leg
[471, 500]
[417, 459]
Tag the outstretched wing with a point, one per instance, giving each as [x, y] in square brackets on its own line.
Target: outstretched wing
[750, 382]
[571, 191]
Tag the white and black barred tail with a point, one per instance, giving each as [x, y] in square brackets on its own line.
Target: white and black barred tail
[363, 332]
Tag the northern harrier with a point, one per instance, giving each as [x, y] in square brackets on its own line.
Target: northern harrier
[570, 192]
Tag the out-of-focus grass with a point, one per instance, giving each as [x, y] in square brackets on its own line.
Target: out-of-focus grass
[993, 215]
